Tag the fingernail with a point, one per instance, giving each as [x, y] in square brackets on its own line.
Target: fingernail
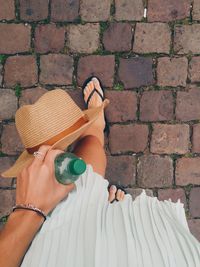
[113, 187]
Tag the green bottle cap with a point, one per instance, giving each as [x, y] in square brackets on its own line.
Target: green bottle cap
[77, 166]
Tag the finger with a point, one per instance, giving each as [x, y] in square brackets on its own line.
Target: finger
[51, 155]
[39, 158]
[118, 195]
[112, 193]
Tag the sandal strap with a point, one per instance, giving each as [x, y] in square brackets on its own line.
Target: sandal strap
[91, 94]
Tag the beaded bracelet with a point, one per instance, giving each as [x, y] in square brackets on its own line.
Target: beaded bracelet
[29, 207]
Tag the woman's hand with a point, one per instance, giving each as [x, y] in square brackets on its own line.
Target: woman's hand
[37, 185]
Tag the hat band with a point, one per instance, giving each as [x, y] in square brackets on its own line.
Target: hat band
[61, 135]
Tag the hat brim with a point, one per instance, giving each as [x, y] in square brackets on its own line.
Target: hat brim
[25, 158]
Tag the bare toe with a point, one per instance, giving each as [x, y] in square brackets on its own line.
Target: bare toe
[112, 193]
[122, 195]
[118, 195]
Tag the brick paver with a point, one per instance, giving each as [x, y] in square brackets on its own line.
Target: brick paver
[56, 69]
[194, 202]
[123, 168]
[88, 66]
[173, 194]
[194, 69]
[30, 96]
[83, 38]
[21, 70]
[155, 171]
[11, 143]
[49, 38]
[118, 37]
[172, 72]
[196, 10]
[156, 106]
[136, 72]
[7, 10]
[123, 106]
[188, 171]
[92, 10]
[147, 39]
[132, 137]
[129, 10]
[149, 67]
[8, 104]
[64, 10]
[196, 138]
[168, 10]
[15, 38]
[186, 39]
[168, 139]
[5, 163]
[187, 104]
[31, 10]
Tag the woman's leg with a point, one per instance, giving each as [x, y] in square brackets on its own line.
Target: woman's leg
[91, 151]
[90, 146]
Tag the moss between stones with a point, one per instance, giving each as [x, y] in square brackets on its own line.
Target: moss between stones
[3, 59]
[18, 90]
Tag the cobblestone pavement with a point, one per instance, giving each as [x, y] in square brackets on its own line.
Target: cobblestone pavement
[150, 67]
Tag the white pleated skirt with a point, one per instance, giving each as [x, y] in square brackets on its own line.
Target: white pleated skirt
[85, 230]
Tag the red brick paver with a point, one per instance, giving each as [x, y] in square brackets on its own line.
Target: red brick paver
[8, 104]
[187, 104]
[129, 9]
[155, 171]
[123, 168]
[196, 138]
[188, 171]
[156, 106]
[168, 139]
[149, 67]
[136, 72]
[49, 38]
[56, 69]
[186, 39]
[123, 106]
[92, 10]
[194, 69]
[32, 10]
[196, 10]
[15, 38]
[7, 10]
[168, 10]
[22, 70]
[104, 70]
[147, 39]
[83, 38]
[11, 143]
[118, 37]
[132, 137]
[172, 72]
[194, 202]
[64, 10]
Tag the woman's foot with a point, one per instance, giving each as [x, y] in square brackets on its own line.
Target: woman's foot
[115, 194]
[95, 101]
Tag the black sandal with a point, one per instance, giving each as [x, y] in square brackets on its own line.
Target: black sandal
[118, 187]
[106, 129]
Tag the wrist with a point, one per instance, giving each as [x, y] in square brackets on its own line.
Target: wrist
[28, 215]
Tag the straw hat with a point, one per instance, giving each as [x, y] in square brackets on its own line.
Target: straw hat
[55, 120]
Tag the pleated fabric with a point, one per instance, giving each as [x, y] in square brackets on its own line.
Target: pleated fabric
[85, 230]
